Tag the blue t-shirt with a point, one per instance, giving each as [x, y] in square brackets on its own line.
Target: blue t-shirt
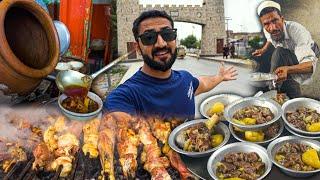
[144, 95]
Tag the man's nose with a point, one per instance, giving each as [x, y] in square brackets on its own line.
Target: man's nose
[272, 27]
[160, 42]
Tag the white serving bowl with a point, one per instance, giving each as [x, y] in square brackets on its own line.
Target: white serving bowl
[81, 116]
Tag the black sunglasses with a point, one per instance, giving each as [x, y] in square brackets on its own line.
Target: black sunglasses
[150, 37]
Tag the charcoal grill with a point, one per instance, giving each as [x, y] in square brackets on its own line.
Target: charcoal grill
[83, 168]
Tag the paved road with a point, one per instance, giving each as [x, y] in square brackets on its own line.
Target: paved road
[205, 67]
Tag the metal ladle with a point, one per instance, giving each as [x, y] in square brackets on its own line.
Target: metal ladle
[71, 78]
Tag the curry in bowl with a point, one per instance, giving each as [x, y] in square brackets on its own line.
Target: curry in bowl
[200, 137]
[261, 135]
[240, 165]
[305, 119]
[298, 157]
[80, 104]
[252, 115]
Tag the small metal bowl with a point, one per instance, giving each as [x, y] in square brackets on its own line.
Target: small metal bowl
[220, 128]
[258, 79]
[245, 147]
[262, 143]
[81, 116]
[296, 103]
[300, 135]
[226, 99]
[76, 65]
[275, 146]
[62, 66]
[274, 107]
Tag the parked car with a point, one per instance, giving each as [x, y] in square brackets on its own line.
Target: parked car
[181, 52]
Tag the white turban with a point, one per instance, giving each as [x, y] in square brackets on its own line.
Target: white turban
[266, 4]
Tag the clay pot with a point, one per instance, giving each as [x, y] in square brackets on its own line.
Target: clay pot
[29, 45]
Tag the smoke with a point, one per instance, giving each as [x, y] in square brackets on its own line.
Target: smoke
[25, 125]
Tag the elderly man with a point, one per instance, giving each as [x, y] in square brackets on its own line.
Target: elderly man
[295, 56]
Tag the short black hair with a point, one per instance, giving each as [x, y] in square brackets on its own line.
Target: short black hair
[268, 10]
[146, 15]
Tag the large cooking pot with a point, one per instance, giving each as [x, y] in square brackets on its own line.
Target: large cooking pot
[29, 45]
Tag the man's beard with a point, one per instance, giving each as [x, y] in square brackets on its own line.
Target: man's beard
[160, 66]
[278, 38]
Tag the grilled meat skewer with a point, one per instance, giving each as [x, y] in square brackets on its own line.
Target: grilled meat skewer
[106, 145]
[154, 163]
[91, 135]
[161, 130]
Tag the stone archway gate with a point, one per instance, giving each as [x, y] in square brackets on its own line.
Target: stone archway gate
[210, 15]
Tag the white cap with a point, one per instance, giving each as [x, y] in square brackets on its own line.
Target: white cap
[266, 4]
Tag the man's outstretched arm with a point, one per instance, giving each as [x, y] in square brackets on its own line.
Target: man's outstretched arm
[206, 83]
[283, 71]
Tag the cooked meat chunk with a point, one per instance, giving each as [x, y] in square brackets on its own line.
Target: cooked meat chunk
[260, 114]
[272, 131]
[303, 117]
[251, 157]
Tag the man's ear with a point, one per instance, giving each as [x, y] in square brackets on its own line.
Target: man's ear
[137, 47]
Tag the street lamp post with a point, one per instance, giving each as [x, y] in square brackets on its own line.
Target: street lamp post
[227, 19]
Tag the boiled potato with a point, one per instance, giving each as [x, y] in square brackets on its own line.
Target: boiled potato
[311, 158]
[279, 157]
[217, 107]
[315, 127]
[249, 121]
[254, 136]
[238, 121]
[216, 140]
[246, 121]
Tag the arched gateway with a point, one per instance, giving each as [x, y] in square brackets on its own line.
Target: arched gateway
[210, 16]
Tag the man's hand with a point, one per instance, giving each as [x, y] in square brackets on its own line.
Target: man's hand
[227, 74]
[206, 83]
[282, 73]
[258, 52]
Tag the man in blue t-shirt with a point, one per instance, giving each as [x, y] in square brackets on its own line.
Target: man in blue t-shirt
[156, 89]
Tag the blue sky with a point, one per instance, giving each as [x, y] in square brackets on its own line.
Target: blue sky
[242, 12]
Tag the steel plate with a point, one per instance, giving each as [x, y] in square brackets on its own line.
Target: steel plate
[275, 145]
[245, 147]
[296, 103]
[225, 99]
[220, 128]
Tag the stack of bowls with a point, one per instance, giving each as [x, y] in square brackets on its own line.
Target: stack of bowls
[293, 105]
[274, 107]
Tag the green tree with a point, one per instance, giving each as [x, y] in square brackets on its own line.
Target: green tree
[255, 43]
[190, 42]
